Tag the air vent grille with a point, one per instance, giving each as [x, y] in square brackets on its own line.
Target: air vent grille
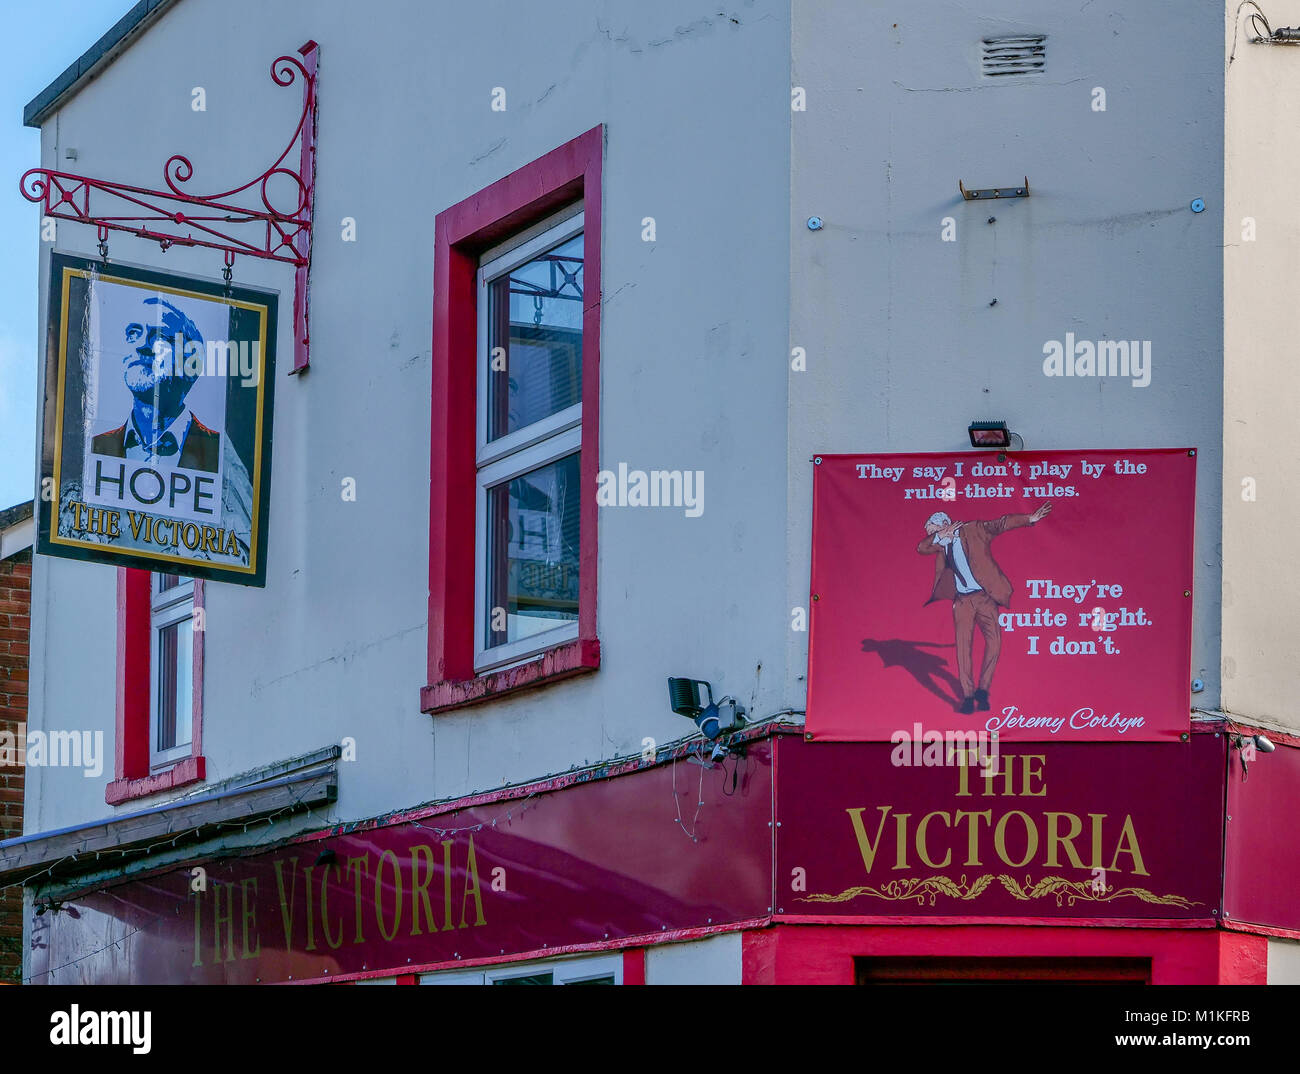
[1023, 55]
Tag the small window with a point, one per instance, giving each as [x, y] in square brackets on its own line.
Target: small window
[515, 414]
[529, 442]
[534, 332]
[171, 660]
[589, 970]
[599, 979]
[159, 685]
[526, 979]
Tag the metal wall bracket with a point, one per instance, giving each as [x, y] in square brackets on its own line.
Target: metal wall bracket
[1283, 35]
[995, 192]
[173, 217]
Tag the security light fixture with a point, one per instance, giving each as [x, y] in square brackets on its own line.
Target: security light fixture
[684, 696]
[1246, 743]
[1247, 746]
[990, 434]
[713, 718]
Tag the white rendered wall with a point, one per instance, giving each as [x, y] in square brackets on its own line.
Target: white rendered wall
[715, 961]
[1283, 961]
[904, 347]
[1261, 265]
[694, 328]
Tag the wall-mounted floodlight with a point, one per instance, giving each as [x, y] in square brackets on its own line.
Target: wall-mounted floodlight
[990, 434]
[1248, 746]
[686, 696]
[714, 718]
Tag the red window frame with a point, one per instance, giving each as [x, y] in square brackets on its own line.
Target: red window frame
[133, 779]
[462, 233]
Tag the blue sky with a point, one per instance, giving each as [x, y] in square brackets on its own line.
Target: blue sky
[43, 39]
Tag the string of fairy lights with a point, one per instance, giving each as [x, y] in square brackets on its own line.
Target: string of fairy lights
[116, 943]
[699, 804]
[171, 840]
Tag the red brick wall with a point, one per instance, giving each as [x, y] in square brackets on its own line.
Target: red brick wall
[15, 625]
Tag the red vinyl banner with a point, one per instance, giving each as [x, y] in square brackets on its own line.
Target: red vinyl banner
[585, 865]
[1041, 596]
[1026, 832]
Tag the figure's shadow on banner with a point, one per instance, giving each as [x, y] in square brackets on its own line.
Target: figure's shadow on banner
[930, 670]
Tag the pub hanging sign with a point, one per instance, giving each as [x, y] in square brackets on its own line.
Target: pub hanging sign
[156, 451]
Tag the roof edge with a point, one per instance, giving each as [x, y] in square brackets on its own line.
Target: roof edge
[92, 62]
[17, 514]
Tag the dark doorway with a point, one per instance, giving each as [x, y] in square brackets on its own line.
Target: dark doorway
[1074, 971]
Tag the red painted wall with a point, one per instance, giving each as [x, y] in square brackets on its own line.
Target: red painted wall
[1262, 856]
[824, 954]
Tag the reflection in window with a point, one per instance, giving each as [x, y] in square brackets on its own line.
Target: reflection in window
[535, 334]
[533, 551]
[530, 979]
[171, 655]
[175, 684]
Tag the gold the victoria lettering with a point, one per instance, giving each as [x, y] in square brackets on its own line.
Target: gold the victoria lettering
[152, 529]
[399, 899]
[967, 833]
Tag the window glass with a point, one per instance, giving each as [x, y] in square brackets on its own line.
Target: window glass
[532, 571]
[535, 339]
[530, 979]
[594, 970]
[175, 699]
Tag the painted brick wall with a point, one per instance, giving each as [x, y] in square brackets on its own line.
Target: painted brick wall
[15, 624]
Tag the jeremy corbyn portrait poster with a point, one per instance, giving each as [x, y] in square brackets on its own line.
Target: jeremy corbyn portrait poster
[156, 451]
[1038, 596]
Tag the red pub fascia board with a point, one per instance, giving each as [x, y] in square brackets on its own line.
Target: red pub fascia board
[462, 233]
[134, 683]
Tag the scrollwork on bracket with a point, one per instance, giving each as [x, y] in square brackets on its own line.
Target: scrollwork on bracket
[286, 235]
[173, 217]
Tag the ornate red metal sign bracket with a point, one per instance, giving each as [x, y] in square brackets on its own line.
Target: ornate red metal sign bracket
[173, 217]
